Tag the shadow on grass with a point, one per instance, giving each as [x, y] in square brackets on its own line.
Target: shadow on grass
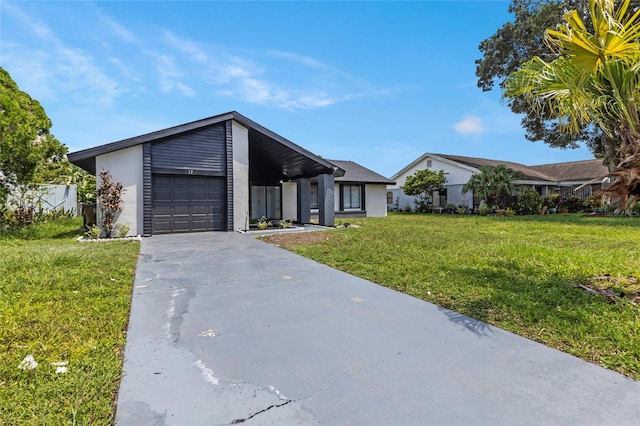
[516, 295]
[476, 326]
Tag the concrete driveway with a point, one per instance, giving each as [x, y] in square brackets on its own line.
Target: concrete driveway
[226, 329]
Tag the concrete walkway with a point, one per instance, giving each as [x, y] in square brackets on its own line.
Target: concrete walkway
[226, 329]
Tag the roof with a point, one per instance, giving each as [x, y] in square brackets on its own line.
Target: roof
[527, 172]
[354, 172]
[303, 158]
[574, 170]
[554, 172]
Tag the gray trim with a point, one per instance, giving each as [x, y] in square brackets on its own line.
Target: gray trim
[181, 171]
[228, 134]
[303, 200]
[326, 202]
[86, 158]
[146, 189]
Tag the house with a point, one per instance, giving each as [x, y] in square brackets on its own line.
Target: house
[563, 178]
[221, 172]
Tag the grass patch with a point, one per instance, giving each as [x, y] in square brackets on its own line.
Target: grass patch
[519, 273]
[62, 301]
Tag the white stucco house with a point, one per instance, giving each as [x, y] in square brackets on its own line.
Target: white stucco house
[562, 178]
[222, 172]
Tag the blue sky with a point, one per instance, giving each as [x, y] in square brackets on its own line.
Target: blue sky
[379, 83]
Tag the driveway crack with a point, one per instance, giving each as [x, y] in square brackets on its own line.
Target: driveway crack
[237, 421]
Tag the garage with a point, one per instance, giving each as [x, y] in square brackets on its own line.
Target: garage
[185, 203]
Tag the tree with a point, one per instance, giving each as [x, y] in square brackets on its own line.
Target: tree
[595, 81]
[422, 184]
[493, 185]
[64, 173]
[25, 140]
[519, 41]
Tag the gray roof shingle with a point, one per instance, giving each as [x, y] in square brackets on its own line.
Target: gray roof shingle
[354, 172]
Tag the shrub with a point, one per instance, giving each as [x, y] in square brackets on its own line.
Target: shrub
[264, 223]
[530, 202]
[593, 202]
[110, 201]
[572, 204]
[123, 230]
[93, 233]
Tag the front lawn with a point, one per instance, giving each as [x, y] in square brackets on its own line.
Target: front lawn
[519, 273]
[67, 303]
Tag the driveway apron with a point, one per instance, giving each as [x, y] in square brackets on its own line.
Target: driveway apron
[226, 329]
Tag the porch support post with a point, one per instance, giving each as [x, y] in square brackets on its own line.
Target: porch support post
[326, 200]
[303, 202]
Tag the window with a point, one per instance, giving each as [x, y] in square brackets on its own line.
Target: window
[351, 196]
[429, 164]
[389, 197]
[265, 201]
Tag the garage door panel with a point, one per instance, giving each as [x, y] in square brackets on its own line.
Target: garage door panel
[162, 195]
[199, 210]
[187, 204]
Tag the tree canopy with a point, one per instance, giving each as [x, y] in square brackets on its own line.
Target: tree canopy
[423, 183]
[493, 185]
[25, 138]
[594, 81]
[518, 42]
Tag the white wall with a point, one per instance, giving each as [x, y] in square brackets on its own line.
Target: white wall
[375, 200]
[240, 176]
[125, 167]
[289, 200]
[456, 176]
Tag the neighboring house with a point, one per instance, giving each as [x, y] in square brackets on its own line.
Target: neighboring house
[562, 178]
[359, 193]
[219, 173]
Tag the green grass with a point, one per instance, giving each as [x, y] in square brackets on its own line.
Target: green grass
[62, 301]
[518, 273]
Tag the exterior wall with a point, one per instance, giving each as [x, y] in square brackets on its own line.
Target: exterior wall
[289, 200]
[456, 178]
[376, 200]
[240, 177]
[125, 167]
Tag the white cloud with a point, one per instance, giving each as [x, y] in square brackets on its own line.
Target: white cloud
[192, 49]
[169, 75]
[469, 125]
[59, 69]
[120, 31]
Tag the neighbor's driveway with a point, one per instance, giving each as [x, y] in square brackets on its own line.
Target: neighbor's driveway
[225, 328]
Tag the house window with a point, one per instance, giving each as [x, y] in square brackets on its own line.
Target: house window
[352, 197]
[266, 201]
[389, 197]
[429, 164]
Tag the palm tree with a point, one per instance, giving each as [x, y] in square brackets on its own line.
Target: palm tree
[595, 80]
[492, 185]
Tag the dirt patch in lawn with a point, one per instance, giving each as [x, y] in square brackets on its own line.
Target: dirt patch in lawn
[291, 240]
[613, 288]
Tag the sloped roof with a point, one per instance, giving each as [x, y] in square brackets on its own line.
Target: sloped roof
[354, 172]
[270, 145]
[574, 170]
[528, 172]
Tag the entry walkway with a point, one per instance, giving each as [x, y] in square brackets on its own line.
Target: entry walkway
[226, 329]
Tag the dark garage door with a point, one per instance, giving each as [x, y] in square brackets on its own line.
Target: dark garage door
[187, 204]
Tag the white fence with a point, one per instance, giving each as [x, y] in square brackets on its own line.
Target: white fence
[48, 198]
